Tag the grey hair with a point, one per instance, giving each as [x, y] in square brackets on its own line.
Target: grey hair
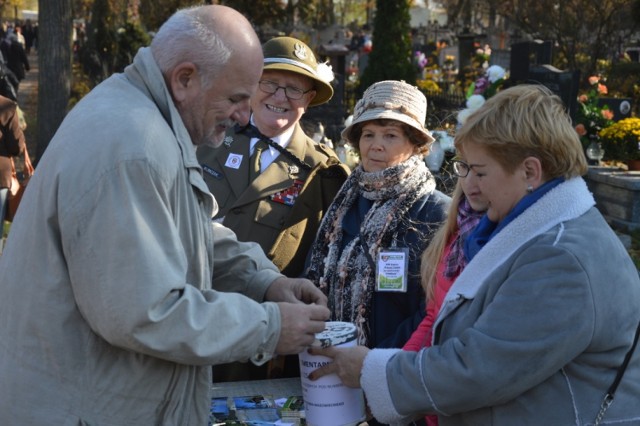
[190, 35]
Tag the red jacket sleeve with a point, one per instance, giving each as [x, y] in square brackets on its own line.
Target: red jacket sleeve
[418, 338]
[421, 337]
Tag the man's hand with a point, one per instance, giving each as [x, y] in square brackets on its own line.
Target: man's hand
[299, 325]
[347, 363]
[295, 290]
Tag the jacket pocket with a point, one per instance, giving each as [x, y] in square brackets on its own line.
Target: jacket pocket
[271, 214]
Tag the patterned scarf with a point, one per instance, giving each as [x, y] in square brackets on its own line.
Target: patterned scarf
[346, 276]
[467, 220]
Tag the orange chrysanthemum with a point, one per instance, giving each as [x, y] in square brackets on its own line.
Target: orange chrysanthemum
[602, 89]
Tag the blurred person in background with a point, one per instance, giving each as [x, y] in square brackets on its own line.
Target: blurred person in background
[12, 144]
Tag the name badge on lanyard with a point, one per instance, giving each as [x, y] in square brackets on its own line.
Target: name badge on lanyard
[392, 268]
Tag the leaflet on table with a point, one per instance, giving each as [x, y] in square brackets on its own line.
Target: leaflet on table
[257, 410]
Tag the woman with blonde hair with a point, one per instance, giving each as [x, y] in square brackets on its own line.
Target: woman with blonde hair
[444, 259]
[541, 326]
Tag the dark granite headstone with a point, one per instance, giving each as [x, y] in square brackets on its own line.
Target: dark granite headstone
[332, 113]
[526, 54]
[562, 83]
[621, 107]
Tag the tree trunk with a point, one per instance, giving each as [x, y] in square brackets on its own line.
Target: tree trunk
[54, 63]
[391, 56]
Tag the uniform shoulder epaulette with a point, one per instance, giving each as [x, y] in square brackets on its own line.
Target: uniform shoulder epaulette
[326, 150]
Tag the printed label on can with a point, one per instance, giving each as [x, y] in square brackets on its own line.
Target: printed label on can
[328, 402]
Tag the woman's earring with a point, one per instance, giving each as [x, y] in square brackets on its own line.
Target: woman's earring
[529, 189]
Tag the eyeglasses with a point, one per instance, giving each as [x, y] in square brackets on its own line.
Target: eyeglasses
[460, 168]
[289, 91]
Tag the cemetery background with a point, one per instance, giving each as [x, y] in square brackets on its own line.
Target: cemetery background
[113, 30]
[446, 55]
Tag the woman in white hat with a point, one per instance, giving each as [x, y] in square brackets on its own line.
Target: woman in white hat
[366, 253]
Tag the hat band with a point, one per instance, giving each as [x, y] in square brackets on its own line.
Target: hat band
[391, 107]
[290, 62]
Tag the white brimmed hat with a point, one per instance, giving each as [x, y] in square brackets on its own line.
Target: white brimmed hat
[394, 100]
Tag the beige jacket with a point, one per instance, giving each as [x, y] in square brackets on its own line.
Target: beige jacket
[118, 293]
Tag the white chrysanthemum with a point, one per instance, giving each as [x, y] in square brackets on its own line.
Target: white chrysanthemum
[463, 114]
[495, 73]
[325, 72]
[475, 101]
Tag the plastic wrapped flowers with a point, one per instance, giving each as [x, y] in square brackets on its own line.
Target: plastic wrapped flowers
[482, 89]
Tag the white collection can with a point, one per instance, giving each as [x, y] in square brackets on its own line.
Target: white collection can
[328, 402]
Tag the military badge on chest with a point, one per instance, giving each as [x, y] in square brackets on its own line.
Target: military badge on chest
[288, 196]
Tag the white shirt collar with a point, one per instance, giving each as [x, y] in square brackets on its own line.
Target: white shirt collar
[283, 139]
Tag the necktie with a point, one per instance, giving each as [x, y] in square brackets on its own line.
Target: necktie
[254, 170]
[252, 132]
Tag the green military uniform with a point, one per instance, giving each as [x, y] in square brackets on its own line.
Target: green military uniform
[282, 208]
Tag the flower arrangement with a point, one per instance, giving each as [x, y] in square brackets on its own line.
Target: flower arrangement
[591, 118]
[482, 89]
[419, 62]
[621, 140]
[449, 62]
[482, 55]
[429, 86]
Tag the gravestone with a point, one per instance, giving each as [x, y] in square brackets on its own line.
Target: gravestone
[529, 64]
[466, 49]
[501, 57]
[621, 107]
[332, 113]
[526, 54]
[562, 83]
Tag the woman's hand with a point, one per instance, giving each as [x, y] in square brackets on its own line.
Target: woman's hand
[347, 363]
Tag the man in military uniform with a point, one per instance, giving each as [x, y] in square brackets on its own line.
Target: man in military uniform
[272, 182]
[280, 204]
